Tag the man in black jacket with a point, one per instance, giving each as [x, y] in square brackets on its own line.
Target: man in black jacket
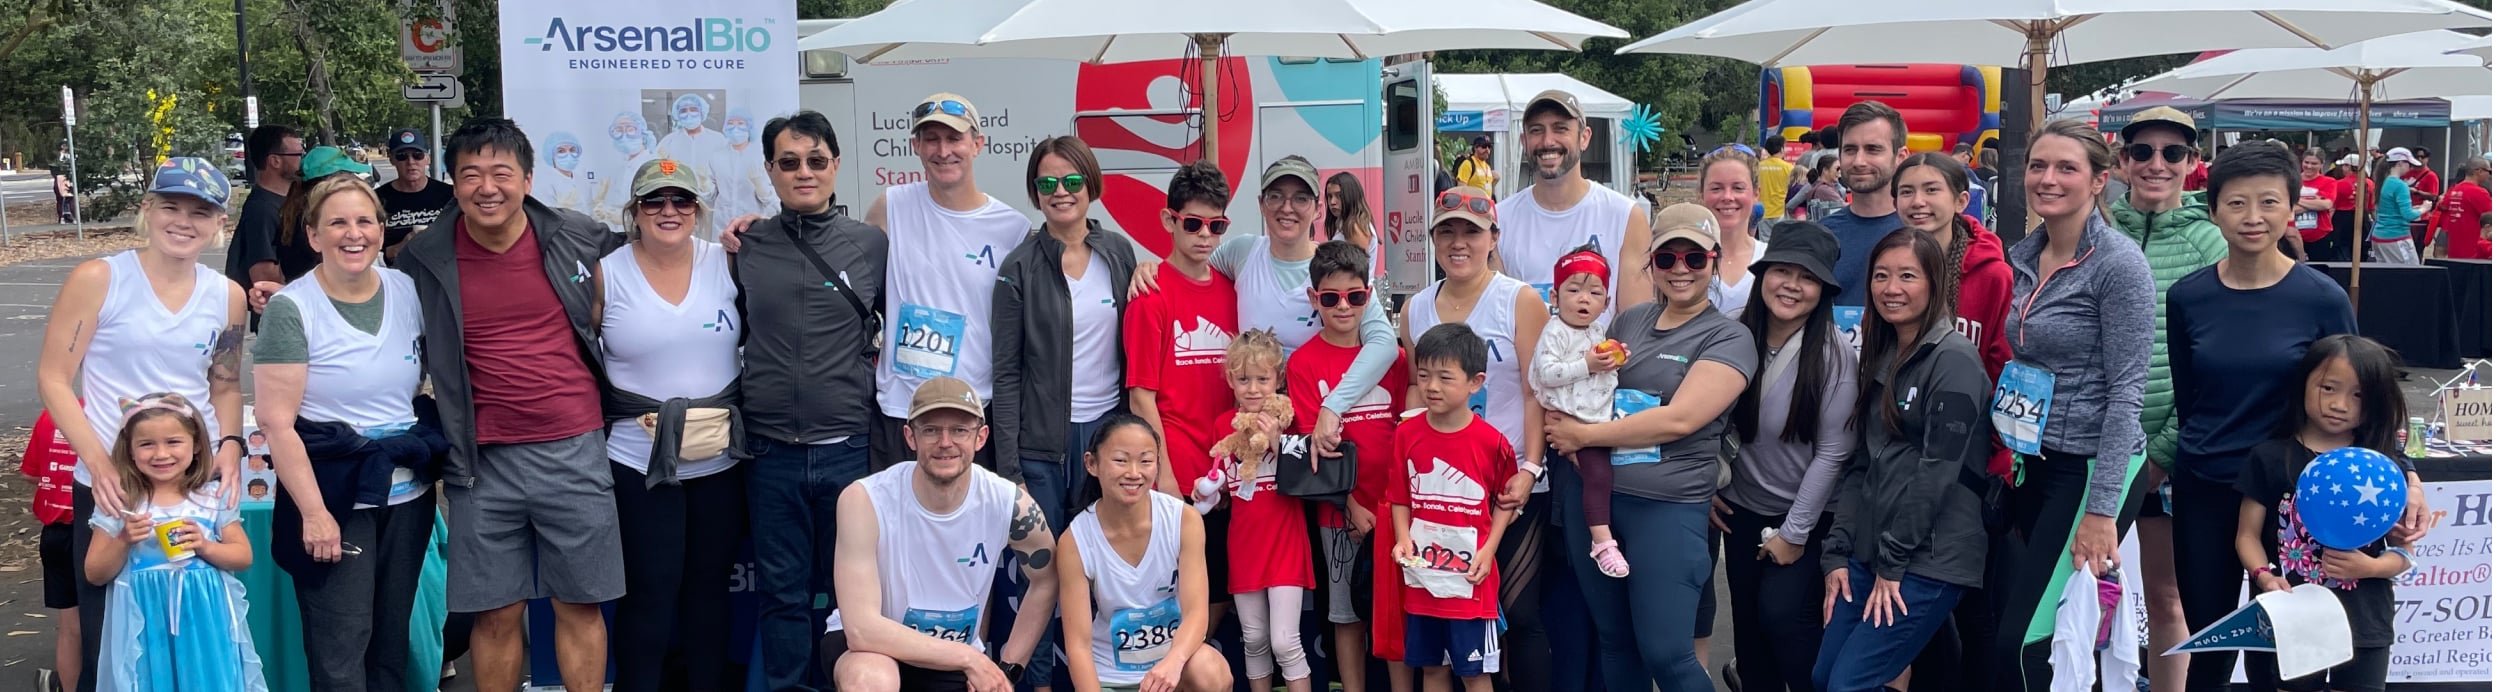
[811, 282]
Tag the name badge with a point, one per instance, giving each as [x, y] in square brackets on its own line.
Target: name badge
[927, 341]
[1628, 403]
[2018, 405]
[1143, 636]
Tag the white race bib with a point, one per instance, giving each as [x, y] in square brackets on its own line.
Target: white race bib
[2018, 406]
[1143, 636]
[947, 626]
[1445, 554]
[927, 341]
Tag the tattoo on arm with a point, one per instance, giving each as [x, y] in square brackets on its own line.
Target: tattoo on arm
[226, 357]
[1040, 559]
[1029, 518]
[75, 329]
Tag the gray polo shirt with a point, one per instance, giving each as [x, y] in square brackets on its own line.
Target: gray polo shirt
[805, 367]
[1687, 471]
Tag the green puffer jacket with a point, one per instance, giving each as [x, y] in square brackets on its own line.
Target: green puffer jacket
[2177, 242]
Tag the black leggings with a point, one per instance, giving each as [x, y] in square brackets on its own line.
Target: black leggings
[1773, 608]
[680, 541]
[2045, 509]
[1517, 569]
[2206, 570]
[90, 595]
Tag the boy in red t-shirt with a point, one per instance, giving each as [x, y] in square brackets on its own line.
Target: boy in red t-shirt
[1340, 295]
[1175, 341]
[1444, 519]
[48, 461]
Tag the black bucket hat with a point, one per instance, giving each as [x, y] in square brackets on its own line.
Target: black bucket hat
[1802, 243]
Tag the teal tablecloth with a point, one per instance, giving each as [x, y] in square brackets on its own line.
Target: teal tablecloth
[278, 627]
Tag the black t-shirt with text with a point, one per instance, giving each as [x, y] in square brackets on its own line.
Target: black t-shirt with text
[406, 212]
[256, 235]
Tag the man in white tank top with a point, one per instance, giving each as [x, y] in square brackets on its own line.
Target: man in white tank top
[1565, 210]
[953, 236]
[914, 564]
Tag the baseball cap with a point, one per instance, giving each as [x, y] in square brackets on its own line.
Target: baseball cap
[2158, 117]
[2402, 154]
[1572, 106]
[1686, 220]
[1464, 202]
[658, 174]
[1294, 166]
[323, 161]
[944, 393]
[190, 176]
[406, 138]
[1482, 141]
[947, 109]
[1803, 243]
[2348, 160]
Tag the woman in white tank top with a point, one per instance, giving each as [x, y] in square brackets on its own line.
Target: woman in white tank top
[1501, 309]
[1134, 576]
[340, 345]
[669, 329]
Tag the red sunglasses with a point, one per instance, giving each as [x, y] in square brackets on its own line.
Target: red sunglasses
[1355, 297]
[1191, 223]
[1695, 260]
[1453, 201]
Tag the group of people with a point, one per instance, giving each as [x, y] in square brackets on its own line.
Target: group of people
[966, 449]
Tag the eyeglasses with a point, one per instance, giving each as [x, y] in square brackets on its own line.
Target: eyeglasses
[791, 164]
[1453, 201]
[1695, 260]
[1301, 199]
[657, 204]
[290, 154]
[1215, 225]
[405, 156]
[1049, 185]
[1355, 297]
[950, 107]
[2174, 153]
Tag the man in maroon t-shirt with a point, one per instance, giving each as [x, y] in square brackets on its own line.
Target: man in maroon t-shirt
[508, 298]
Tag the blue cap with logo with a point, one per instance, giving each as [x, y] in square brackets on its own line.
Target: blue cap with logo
[191, 176]
[407, 139]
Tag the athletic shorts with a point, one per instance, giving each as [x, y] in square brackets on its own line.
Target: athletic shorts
[832, 647]
[60, 573]
[539, 522]
[1470, 647]
[1341, 554]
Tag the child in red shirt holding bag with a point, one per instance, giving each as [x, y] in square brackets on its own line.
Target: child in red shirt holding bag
[48, 462]
[1444, 518]
[1340, 295]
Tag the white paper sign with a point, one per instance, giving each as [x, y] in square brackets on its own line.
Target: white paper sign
[2467, 413]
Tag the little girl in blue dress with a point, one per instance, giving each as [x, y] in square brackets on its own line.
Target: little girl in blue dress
[174, 616]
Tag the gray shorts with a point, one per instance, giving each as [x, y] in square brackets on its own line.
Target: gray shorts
[1339, 553]
[539, 523]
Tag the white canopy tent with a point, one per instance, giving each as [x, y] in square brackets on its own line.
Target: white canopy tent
[1493, 104]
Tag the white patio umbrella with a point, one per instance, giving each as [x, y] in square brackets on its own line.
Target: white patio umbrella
[2417, 65]
[2470, 108]
[1110, 31]
[2484, 49]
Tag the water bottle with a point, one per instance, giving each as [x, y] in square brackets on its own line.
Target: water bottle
[2416, 437]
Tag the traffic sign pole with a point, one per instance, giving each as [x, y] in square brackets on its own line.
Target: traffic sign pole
[69, 125]
[436, 131]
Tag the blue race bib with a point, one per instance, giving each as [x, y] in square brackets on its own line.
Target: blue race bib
[1143, 636]
[1848, 325]
[949, 626]
[2018, 406]
[927, 341]
[1629, 403]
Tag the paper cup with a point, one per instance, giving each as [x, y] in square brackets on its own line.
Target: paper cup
[165, 540]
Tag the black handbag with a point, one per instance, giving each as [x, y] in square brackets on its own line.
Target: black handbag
[1298, 479]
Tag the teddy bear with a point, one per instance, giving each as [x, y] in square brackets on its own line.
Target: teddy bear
[1254, 438]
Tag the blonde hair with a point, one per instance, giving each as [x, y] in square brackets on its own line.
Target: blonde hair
[135, 485]
[308, 206]
[1255, 348]
[1734, 153]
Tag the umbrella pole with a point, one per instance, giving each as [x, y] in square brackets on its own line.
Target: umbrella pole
[2364, 169]
[1210, 46]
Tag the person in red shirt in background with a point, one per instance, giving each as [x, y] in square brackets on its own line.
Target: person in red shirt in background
[1175, 341]
[2459, 214]
[2198, 179]
[2424, 186]
[1444, 519]
[1339, 294]
[2344, 213]
[2312, 211]
[47, 462]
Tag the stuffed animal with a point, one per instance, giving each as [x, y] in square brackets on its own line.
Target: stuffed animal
[1256, 432]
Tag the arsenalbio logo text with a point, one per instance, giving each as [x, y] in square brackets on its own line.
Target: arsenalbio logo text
[698, 35]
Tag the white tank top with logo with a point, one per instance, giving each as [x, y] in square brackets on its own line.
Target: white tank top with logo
[939, 299]
[935, 570]
[1136, 606]
[1500, 401]
[363, 380]
[1534, 237]
[666, 351]
[142, 348]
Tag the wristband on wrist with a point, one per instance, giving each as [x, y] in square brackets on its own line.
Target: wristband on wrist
[2255, 574]
[237, 439]
[2405, 556]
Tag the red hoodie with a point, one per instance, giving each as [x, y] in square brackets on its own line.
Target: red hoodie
[1983, 294]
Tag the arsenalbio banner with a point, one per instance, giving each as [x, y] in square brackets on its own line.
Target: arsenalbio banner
[604, 87]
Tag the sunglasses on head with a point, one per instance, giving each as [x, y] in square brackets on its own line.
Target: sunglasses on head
[1053, 185]
[1454, 201]
[1213, 225]
[791, 164]
[406, 155]
[950, 107]
[660, 203]
[2174, 153]
[1741, 148]
[1695, 260]
[1355, 297]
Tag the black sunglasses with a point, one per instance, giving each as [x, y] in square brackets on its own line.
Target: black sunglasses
[658, 203]
[406, 155]
[2174, 153]
[790, 164]
[1053, 185]
[1695, 260]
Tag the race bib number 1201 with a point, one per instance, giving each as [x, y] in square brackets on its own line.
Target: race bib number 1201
[927, 341]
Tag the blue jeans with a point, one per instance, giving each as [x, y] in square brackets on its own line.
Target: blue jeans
[1857, 656]
[1055, 485]
[792, 491]
[1646, 622]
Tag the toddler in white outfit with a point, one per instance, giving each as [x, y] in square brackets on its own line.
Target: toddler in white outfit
[1574, 372]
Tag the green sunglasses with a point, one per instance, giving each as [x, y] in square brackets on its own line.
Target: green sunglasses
[1074, 183]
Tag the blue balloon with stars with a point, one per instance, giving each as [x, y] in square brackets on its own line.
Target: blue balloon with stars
[2350, 496]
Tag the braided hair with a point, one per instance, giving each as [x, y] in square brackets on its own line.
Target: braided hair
[1960, 231]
